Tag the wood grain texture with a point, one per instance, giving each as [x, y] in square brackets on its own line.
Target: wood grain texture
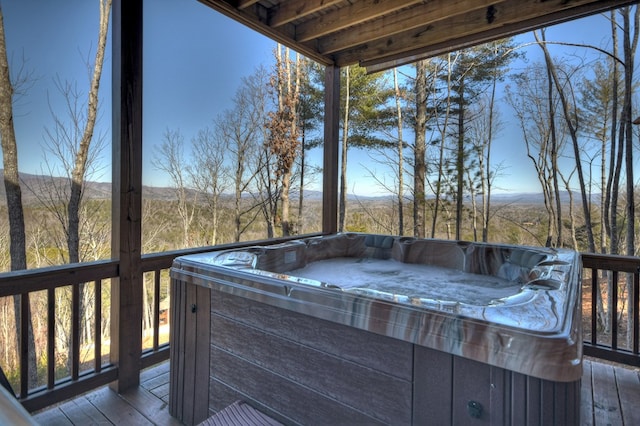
[286, 398]
[53, 417]
[81, 411]
[605, 395]
[471, 392]
[586, 395]
[629, 392]
[151, 380]
[191, 398]
[432, 387]
[446, 386]
[313, 368]
[383, 353]
[151, 407]
[303, 370]
[177, 341]
[190, 352]
[116, 409]
[202, 334]
[330, 153]
[126, 234]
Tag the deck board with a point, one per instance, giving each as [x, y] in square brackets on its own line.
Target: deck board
[81, 411]
[629, 391]
[116, 409]
[586, 396]
[610, 395]
[153, 409]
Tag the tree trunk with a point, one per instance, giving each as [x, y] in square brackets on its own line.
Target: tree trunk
[460, 160]
[239, 172]
[17, 238]
[420, 151]
[80, 166]
[557, 224]
[342, 209]
[611, 193]
[400, 156]
[576, 147]
[629, 56]
[300, 227]
[488, 179]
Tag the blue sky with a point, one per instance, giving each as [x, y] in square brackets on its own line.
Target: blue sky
[194, 59]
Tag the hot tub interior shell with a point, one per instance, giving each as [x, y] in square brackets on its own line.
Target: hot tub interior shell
[306, 350]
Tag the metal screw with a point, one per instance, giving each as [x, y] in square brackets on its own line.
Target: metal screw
[474, 409]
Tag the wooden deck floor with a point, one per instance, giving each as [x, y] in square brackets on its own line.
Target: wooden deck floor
[146, 405]
[610, 396]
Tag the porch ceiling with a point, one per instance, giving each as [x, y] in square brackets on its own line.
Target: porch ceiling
[386, 33]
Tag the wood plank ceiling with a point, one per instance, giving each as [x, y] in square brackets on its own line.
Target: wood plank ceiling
[385, 33]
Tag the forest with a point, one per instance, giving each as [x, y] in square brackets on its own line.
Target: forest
[246, 176]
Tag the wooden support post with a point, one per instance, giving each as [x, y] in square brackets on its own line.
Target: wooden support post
[331, 145]
[126, 291]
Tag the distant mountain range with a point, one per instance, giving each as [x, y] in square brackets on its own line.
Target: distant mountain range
[34, 185]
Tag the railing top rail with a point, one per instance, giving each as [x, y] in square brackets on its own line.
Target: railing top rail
[612, 262]
[28, 280]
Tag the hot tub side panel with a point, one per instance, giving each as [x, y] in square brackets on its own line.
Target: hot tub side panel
[449, 389]
[189, 352]
[299, 369]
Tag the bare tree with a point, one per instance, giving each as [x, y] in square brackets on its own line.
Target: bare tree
[571, 117]
[78, 174]
[310, 119]
[170, 159]
[363, 98]
[17, 246]
[481, 178]
[442, 114]
[630, 45]
[283, 129]
[15, 211]
[342, 206]
[420, 150]
[241, 127]
[535, 114]
[210, 177]
[400, 150]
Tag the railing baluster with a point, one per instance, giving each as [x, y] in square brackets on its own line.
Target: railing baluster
[594, 305]
[97, 338]
[156, 309]
[636, 312]
[75, 331]
[51, 281]
[24, 344]
[613, 309]
[51, 337]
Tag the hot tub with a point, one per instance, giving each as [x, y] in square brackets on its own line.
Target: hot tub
[357, 328]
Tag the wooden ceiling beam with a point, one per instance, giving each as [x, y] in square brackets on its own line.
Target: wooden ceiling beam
[349, 16]
[513, 17]
[291, 10]
[243, 4]
[402, 21]
[255, 17]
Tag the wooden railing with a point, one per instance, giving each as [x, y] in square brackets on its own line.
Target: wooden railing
[88, 278]
[611, 313]
[611, 328]
[51, 280]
